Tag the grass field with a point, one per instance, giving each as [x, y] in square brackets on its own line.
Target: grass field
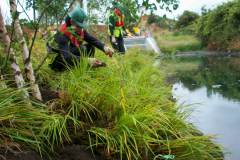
[172, 42]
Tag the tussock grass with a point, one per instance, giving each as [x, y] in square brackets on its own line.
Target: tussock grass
[32, 126]
[128, 112]
[123, 110]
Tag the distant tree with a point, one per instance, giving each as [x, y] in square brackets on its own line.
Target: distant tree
[133, 9]
[187, 18]
[162, 22]
[52, 10]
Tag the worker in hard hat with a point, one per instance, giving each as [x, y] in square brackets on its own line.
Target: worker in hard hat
[116, 27]
[68, 42]
[136, 31]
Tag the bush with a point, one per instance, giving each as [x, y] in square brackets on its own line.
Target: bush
[187, 18]
[162, 22]
[220, 26]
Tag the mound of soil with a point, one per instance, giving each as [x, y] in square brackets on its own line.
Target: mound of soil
[29, 155]
[76, 152]
[71, 152]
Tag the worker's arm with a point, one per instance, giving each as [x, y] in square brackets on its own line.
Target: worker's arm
[93, 41]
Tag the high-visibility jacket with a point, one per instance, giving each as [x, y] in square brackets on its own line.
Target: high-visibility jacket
[76, 38]
[116, 25]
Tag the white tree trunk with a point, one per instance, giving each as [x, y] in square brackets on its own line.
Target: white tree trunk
[27, 63]
[14, 65]
[2, 83]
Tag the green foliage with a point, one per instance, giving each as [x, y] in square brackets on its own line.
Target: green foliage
[162, 22]
[133, 8]
[28, 24]
[53, 11]
[187, 18]
[220, 26]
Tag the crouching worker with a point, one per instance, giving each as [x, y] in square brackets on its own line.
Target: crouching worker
[68, 42]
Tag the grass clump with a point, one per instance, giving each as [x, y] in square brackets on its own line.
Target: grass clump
[126, 111]
[30, 126]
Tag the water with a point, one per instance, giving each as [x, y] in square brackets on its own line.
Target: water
[147, 43]
[214, 92]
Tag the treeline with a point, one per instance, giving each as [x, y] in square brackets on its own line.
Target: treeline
[218, 29]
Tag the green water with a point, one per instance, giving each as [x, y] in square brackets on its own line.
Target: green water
[213, 90]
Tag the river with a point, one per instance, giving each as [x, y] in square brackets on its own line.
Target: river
[213, 92]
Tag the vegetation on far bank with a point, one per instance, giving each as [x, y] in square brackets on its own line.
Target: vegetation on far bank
[216, 29]
[171, 42]
[219, 28]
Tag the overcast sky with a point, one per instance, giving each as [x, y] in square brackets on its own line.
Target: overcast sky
[192, 5]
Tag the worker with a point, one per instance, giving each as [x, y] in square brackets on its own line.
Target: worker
[136, 31]
[68, 42]
[116, 28]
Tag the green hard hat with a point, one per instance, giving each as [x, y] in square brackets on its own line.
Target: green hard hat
[118, 6]
[78, 16]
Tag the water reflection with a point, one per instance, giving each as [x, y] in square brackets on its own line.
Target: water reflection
[219, 75]
[214, 88]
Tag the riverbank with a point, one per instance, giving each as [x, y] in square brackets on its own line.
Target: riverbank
[207, 54]
[122, 111]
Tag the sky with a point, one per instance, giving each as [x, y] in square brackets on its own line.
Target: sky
[192, 5]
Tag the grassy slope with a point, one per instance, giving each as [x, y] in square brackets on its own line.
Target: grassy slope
[129, 110]
[171, 42]
[123, 109]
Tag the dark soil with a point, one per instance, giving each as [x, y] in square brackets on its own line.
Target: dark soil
[76, 152]
[48, 94]
[30, 155]
[71, 152]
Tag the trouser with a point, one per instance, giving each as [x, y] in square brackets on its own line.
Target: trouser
[118, 45]
[60, 63]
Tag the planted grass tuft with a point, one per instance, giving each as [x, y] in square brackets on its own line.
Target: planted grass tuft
[126, 111]
[30, 126]
[123, 110]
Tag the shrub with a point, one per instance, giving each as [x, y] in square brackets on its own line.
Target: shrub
[162, 22]
[187, 18]
[220, 26]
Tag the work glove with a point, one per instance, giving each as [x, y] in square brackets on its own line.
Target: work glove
[113, 39]
[108, 51]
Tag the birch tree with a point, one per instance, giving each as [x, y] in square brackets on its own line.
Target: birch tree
[2, 83]
[27, 62]
[8, 50]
